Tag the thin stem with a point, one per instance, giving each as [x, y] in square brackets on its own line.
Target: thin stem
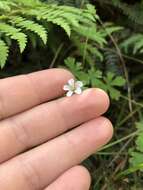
[120, 140]
[133, 101]
[128, 117]
[56, 56]
[85, 50]
[123, 65]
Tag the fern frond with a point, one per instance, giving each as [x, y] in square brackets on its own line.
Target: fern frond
[36, 16]
[135, 42]
[3, 53]
[30, 25]
[6, 6]
[14, 34]
[50, 15]
[133, 12]
[66, 17]
[88, 51]
[91, 33]
[28, 3]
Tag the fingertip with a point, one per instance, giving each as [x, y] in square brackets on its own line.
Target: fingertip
[84, 175]
[104, 96]
[107, 129]
[100, 131]
[96, 99]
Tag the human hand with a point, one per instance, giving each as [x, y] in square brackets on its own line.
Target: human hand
[37, 150]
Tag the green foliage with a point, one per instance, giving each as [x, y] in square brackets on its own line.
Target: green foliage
[134, 12]
[3, 53]
[18, 18]
[30, 25]
[76, 3]
[89, 48]
[111, 83]
[134, 43]
[95, 78]
[137, 153]
[21, 18]
[14, 34]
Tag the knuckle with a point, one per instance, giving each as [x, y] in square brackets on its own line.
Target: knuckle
[62, 117]
[2, 108]
[72, 148]
[32, 86]
[29, 173]
[20, 132]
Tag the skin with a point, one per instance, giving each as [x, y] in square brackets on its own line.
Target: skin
[45, 136]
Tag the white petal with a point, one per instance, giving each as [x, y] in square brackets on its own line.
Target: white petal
[71, 82]
[79, 84]
[78, 90]
[69, 93]
[66, 87]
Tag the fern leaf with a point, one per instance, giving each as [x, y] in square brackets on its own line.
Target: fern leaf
[7, 6]
[3, 53]
[14, 34]
[28, 3]
[138, 46]
[30, 25]
[135, 41]
[54, 15]
[4, 6]
[66, 17]
[62, 23]
[50, 15]
[92, 34]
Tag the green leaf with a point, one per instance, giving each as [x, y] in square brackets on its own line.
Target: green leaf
[114, 93]
[110, 76]
[135, 42]
[91, 33]
[3, 53]
[130, 170]
[136, 158]
[119, 81]
[112, 81]
[136, 154]
[14, 34]
[30, 25]
[139, 142]
[76, 69]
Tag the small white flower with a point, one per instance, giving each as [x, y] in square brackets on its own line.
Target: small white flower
[73, 87]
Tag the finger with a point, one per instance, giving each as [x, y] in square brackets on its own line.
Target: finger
[25, 91]
[46, 121]
[39, 167]
[76, 178]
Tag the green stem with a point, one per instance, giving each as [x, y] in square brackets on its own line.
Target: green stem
[120, 140]
[133, 101]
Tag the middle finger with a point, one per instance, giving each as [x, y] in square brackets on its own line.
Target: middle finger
[48, 120]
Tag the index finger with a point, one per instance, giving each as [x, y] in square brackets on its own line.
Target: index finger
[23, 92]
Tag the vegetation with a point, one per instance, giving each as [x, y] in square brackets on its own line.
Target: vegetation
[101, 42]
